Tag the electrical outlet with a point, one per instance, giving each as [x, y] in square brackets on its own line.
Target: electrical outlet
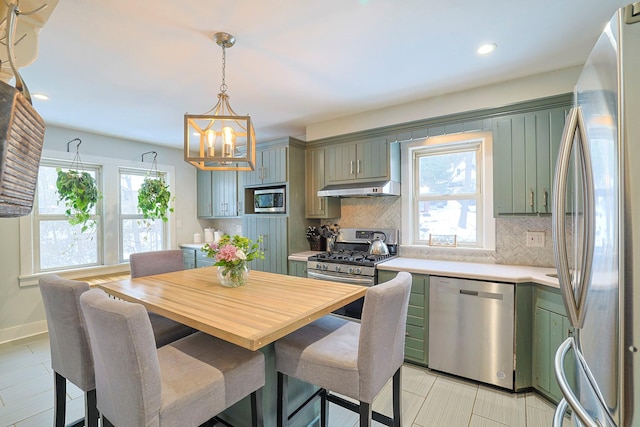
[238, 229]
[535, 239]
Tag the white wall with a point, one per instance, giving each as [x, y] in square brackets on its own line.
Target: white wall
[510, 92]
[21, 309]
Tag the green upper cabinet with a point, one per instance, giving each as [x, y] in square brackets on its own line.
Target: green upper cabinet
[362, 160]
[225, 193]
[205, 194]
[525, 149]
[318, 207]
[271, 168]
[217, 194]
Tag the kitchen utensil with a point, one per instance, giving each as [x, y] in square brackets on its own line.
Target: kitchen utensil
[378, 246]
[21, 137]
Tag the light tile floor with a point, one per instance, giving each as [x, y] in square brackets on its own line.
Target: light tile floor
[428, 398]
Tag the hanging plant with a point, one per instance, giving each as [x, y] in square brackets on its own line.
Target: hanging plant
[153, 199]
[79, 192]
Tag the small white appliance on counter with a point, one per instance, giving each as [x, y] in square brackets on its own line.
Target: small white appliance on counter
[596, 223]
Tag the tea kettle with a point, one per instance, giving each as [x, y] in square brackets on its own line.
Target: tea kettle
[378, 245]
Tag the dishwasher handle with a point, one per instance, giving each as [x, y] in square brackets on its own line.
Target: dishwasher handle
[467, 292]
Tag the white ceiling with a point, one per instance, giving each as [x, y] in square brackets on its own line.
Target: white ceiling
[132, 69]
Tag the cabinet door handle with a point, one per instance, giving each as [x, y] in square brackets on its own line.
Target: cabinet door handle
[264, 242]
[239, 207]
[531, 198]
[321, 203]
[358, 167]
[546, 198]
[351, 167]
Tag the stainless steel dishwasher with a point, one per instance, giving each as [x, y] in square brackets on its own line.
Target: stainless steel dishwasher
[471, 327]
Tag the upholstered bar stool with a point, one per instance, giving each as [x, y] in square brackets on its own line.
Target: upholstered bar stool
[157, 262]
[185, 383]
[350, 358]
[70, 352]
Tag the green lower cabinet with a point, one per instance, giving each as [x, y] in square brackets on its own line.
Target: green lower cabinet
[416, 344]
[189, 258]
[550, 328]
[298, 268]
[195, 258]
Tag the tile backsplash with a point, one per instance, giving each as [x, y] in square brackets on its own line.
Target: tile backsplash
[386, 212]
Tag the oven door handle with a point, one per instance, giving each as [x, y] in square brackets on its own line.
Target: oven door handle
[342, 279]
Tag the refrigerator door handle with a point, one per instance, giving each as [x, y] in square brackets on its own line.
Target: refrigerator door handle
[569, 397]
[575, 306]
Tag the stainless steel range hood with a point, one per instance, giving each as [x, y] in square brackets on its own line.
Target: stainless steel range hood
[361, 189]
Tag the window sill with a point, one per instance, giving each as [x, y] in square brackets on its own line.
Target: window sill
[79, 273]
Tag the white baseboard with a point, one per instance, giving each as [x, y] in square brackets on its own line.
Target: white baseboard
[22, 331]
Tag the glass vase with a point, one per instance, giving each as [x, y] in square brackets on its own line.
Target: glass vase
[233, 277]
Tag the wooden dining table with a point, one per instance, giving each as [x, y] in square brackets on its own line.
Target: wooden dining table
[252, 316]
[268, 307]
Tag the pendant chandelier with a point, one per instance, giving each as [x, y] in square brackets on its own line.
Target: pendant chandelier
[220, 139]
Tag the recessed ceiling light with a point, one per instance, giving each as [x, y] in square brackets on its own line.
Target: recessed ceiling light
[41, 96]
[486, 48]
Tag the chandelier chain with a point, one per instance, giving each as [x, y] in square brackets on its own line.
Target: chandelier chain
[223, 86]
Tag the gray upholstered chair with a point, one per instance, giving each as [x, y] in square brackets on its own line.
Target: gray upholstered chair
[70, 351]
[157, 262]
[350, 358]
[185, 383]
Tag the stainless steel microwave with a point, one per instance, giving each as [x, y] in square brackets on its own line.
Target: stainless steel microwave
[269, 200]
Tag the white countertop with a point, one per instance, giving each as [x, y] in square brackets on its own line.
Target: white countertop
[302, 256]
[465, 270]
[192, 245]
[472, 270]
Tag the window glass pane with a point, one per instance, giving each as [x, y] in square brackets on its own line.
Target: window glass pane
[448, 217]
[129, 186]
[47, 193]
[447, 173]
[63, 245]
[141, 236]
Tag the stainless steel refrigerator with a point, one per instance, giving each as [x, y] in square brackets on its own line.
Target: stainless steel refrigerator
[596, 233]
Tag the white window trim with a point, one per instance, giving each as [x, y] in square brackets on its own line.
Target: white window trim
[408, 180]
[110, 209]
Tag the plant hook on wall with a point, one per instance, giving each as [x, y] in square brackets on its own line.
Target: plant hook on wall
[78, 190]
[154, 195]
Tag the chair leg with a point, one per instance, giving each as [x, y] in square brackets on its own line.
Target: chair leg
[365, 414]
[397, 398]
[91, 409]
[256, 408]
[283, 400]
[324, 409]
[60, 408]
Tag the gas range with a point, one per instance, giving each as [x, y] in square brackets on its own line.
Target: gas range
[349, 261]
[350, 256]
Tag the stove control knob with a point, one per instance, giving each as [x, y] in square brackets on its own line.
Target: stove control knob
[358, 270]
[336, 268]
[318, 266]
[350, 270]
[325, 266]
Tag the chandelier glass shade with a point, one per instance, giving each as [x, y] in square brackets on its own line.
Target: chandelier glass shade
[220, 139]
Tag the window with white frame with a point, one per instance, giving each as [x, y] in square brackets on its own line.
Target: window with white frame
[59, 245]
[449, 195]
[136, 233]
